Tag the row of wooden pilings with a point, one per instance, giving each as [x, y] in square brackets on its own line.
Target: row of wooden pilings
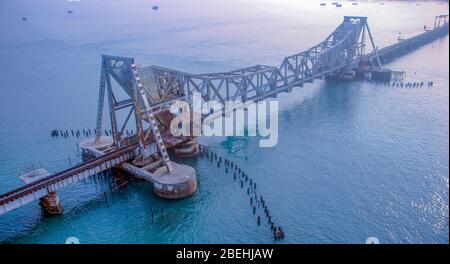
[64, 133]
[403, 84]
[256, 200]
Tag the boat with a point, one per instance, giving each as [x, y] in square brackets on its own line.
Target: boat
[155, 7]
[338, 5]
[323, 4]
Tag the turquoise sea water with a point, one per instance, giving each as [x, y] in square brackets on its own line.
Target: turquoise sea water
[352, 161]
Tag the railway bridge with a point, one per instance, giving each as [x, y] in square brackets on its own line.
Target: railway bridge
[151, 90]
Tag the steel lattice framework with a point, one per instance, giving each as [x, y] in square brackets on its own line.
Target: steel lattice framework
[149, 90]
[340, 51]
[153, 88]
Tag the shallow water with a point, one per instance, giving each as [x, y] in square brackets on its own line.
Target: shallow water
[353, 160]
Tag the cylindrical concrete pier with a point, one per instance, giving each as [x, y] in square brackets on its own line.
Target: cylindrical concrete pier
[180, 183]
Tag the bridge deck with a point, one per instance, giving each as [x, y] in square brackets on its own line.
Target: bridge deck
[38, 189]
[409, 43]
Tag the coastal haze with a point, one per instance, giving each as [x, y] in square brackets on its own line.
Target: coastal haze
[353, 160]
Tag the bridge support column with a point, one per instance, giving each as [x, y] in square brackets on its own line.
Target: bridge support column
[187, 149]
[177, 184]
[51, 204]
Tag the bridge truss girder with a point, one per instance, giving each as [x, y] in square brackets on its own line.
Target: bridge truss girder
[341, 51]
[123, 71]
[158, 87]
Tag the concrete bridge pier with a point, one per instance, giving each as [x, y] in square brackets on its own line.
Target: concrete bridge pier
[187, 149]
[91, 148]
[177, 184]
[51, 204]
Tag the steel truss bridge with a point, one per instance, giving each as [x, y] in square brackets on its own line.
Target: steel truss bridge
[152, 89]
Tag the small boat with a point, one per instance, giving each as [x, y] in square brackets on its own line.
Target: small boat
[354, 3]
[338, 5]
[334, 3]
[24, 18]
[155, 7]
[69, 11]
[323, 4]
